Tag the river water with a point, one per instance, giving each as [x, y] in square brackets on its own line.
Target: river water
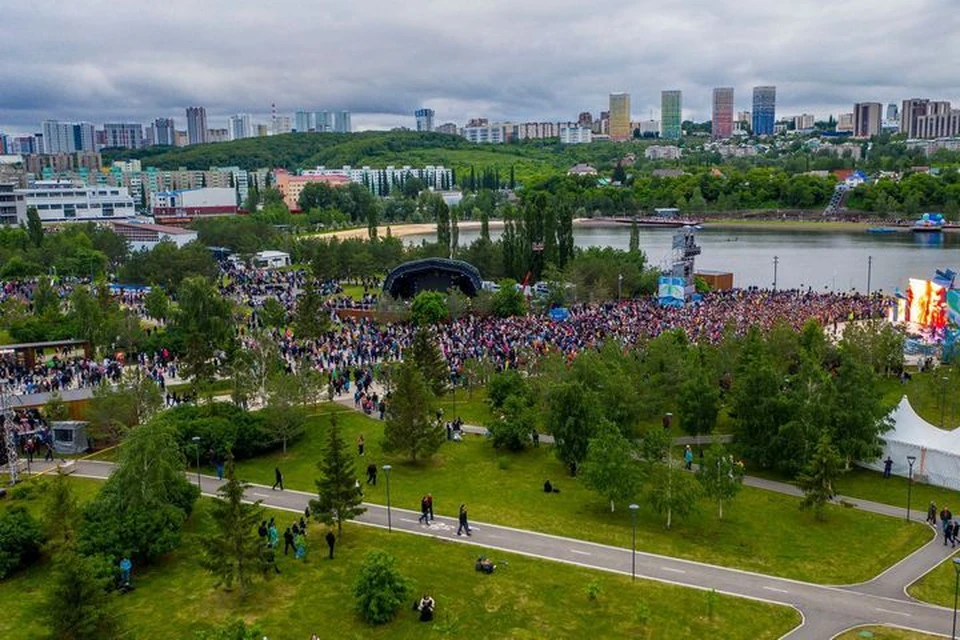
[824, 259]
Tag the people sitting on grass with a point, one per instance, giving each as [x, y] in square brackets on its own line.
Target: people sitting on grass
[549, 488]
[485, 565]
[426, 606]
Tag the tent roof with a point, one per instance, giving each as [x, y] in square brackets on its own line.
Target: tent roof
[910, 428]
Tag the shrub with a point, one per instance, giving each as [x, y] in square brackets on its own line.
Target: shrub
[429, 307]
[380, 589]
[503, 385]
[221, 426]
[20, 540]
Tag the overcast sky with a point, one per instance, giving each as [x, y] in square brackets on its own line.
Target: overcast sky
[107, 60]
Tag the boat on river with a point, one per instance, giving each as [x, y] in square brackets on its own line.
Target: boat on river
[880, 230]
[929, 223]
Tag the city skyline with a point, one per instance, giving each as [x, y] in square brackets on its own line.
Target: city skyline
[382, 66]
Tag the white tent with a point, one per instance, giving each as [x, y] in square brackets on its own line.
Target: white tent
[937, 451]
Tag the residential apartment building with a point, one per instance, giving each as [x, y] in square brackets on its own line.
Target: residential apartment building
[382, 182]
[424, 119]
[323, 121]
[922, 118]
[13, 207]
[670, 114]
[764, 110]
[620, 117]
[58, 201]
[341, 122]
[218, 135]
[449, 128]
[64, 137]
[665, 152]
[488, 134]
[183, 206]
[302, 121]
[123, 136]
[290, 186]
[239, 126]
[164, 132]
[804, 122]
[576, 135]
[722, 124]
[845, 123]
[867, 119]
[196, 125]
[281, 125]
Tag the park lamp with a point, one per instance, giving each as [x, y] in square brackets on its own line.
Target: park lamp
[634, 507]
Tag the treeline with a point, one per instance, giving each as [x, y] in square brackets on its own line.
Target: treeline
[912, 194]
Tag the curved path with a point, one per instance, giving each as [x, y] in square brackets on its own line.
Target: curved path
[827, 610]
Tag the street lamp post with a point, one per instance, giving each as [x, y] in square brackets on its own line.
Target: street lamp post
[633, 557]
[776, 261]
[910, 461]
[196, 446]
[956, 591]
[869, 273]
[386, 470]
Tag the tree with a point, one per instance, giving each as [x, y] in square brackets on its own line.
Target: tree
[634, 236]
[142, 506]
[273, 314]
[573, 413]
[426, 355]
[157, 304]
[310, 321]
[513, 428]
[113, 410]
[673, 491]
[338, 496]
[508, 300]
[380, 589]
[34, 227]
[55, 408]
[61, 513]
[20, 539]
[231, 552]
[817, 478]
[409, 427]
[720, 476]
[204, 318]
[699, 400]
[619, 174]
[610, 467]
[235, 630]
[284, 420]
[78, 605]
[429, 307]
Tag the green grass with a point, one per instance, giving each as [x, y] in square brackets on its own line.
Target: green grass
[525, 599]
[933, 399]
[936, 587]
[870, 485]
[761, 531]
[5, 337]
[885, 633]
[472, 407]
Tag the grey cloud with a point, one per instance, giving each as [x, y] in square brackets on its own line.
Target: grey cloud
[538, 59]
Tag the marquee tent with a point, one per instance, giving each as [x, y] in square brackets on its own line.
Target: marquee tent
[937, 451]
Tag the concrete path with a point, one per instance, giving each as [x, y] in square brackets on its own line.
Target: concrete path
[827, 610]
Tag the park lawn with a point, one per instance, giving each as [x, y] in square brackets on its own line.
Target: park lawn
[885, 633]
[527, 598]
[471, 406]
[870, 485]
[937, 587]
[761, 531]
[934, 399]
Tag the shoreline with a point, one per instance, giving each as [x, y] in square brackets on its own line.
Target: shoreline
[405, 229]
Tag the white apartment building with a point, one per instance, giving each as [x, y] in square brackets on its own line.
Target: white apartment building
[68, 201]
[488, 134]
[382, 181]
[239, 126]
[662, 152]
[576, 135]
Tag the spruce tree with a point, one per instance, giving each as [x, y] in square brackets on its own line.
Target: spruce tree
[78, 604]
[410, 427]
[232, 551]
[309, 321]
[427, 357]
[338, 496]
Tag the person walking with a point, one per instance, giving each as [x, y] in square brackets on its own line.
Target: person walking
[300, 544]
[945, 517]
[288, 541]
[536, 438]
[262, 531]
[424, 511]
[125, 568]
[372, 474]
[278, 479]
[430, 505]
[932, 514]
[464, 524]
[273, 535]
[269, 558]
[887, 467]
[331, 541]
[360, 445]
[688, 458]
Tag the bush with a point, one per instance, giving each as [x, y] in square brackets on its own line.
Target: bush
[512, 430]
[380, 589]
[508, 301]
[221, 426]
[236, 630]
[20, 540]
[429, 307]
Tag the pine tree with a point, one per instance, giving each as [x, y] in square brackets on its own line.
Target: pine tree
[309, 320]
[338, 496]
[818, 477]
[634, 236]
[232, 551]
[426, 356]
[409, 427]
[60, 516]
[78, 604]
[484, 226]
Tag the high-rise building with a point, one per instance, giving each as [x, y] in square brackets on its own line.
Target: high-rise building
[620, 116]
[218, 135]
[281, 125]
[164, 132]
[123, 136]
[57, 137]
[764, 110]
[844, 123]
[342, 122]
[322, 121]
[84, 137]
[722, 124]
[449, 128]
[197, 125]
[804, 121]
[922, 118]
[893, 113]
[302, 121]
[239, 126]
[424, 119]
[670, 114]
[866, 119]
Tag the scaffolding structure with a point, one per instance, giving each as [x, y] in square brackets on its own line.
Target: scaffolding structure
[9, 434]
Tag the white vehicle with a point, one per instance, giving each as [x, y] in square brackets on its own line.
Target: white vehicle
[489, 285]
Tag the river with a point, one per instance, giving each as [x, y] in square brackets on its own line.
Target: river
[824, 259]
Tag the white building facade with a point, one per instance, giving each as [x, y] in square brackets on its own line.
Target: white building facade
[58, 201]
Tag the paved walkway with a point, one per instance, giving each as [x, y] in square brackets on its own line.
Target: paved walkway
[827, 610]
